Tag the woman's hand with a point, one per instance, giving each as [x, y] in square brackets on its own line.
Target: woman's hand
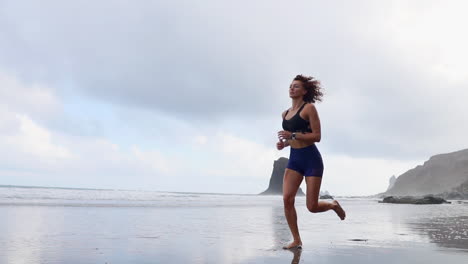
[283, 134]
[280, 145]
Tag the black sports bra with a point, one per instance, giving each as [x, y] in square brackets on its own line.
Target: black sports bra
[296, 123]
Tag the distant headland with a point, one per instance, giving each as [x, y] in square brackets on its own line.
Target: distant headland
[443, 175]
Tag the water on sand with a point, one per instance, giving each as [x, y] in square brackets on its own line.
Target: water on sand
[99, 226]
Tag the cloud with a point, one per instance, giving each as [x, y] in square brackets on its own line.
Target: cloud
[34, 154]
[33, 98]
[35, 140]
[382, 72]
[153, 85]
[164, 57]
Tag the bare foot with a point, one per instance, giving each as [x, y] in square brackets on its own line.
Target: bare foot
[293, 245]
[339, 210]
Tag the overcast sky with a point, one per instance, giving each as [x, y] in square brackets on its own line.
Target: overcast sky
[188, 95]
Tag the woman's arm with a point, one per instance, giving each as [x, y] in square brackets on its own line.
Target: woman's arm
[314, 121]
[285, 142]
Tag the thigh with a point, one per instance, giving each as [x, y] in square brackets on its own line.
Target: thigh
[313, 189]
[291, 182]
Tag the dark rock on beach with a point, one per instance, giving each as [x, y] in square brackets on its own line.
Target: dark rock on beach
[326, 196]
[276, 179]
[414, 200]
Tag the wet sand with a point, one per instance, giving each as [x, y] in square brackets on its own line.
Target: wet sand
[229, 232]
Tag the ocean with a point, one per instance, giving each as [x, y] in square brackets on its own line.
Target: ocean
[59, 225]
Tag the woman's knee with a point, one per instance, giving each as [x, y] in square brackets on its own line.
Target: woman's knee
[312, 207]
[288, 200]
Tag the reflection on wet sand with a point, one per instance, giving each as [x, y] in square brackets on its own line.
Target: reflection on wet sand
[297, 255]
[282, 234]
[448, 232]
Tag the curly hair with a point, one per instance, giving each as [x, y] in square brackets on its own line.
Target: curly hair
[313, 88]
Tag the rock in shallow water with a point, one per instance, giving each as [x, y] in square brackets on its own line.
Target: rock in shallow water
[414, 200]
[326, 196]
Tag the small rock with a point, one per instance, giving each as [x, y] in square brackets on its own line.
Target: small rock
[414, 200]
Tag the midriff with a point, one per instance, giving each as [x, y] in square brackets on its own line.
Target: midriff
[300, 143]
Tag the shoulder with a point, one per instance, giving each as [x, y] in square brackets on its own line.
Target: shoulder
[310, 108]
[284, 113]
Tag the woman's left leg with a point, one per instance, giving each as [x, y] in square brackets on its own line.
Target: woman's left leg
[312, 196]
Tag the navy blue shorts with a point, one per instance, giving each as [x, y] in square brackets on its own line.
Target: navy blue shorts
[306, 161]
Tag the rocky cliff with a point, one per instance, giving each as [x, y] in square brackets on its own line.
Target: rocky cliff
[441, 174]
[458, 193]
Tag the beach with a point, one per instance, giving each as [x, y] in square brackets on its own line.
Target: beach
[47, 225]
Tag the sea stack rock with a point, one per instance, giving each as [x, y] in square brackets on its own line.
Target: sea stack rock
[276, 179]
[391, 182]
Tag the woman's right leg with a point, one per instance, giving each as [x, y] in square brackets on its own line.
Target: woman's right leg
[291, 182]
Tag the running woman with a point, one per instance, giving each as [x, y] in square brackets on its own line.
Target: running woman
[301, 129]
